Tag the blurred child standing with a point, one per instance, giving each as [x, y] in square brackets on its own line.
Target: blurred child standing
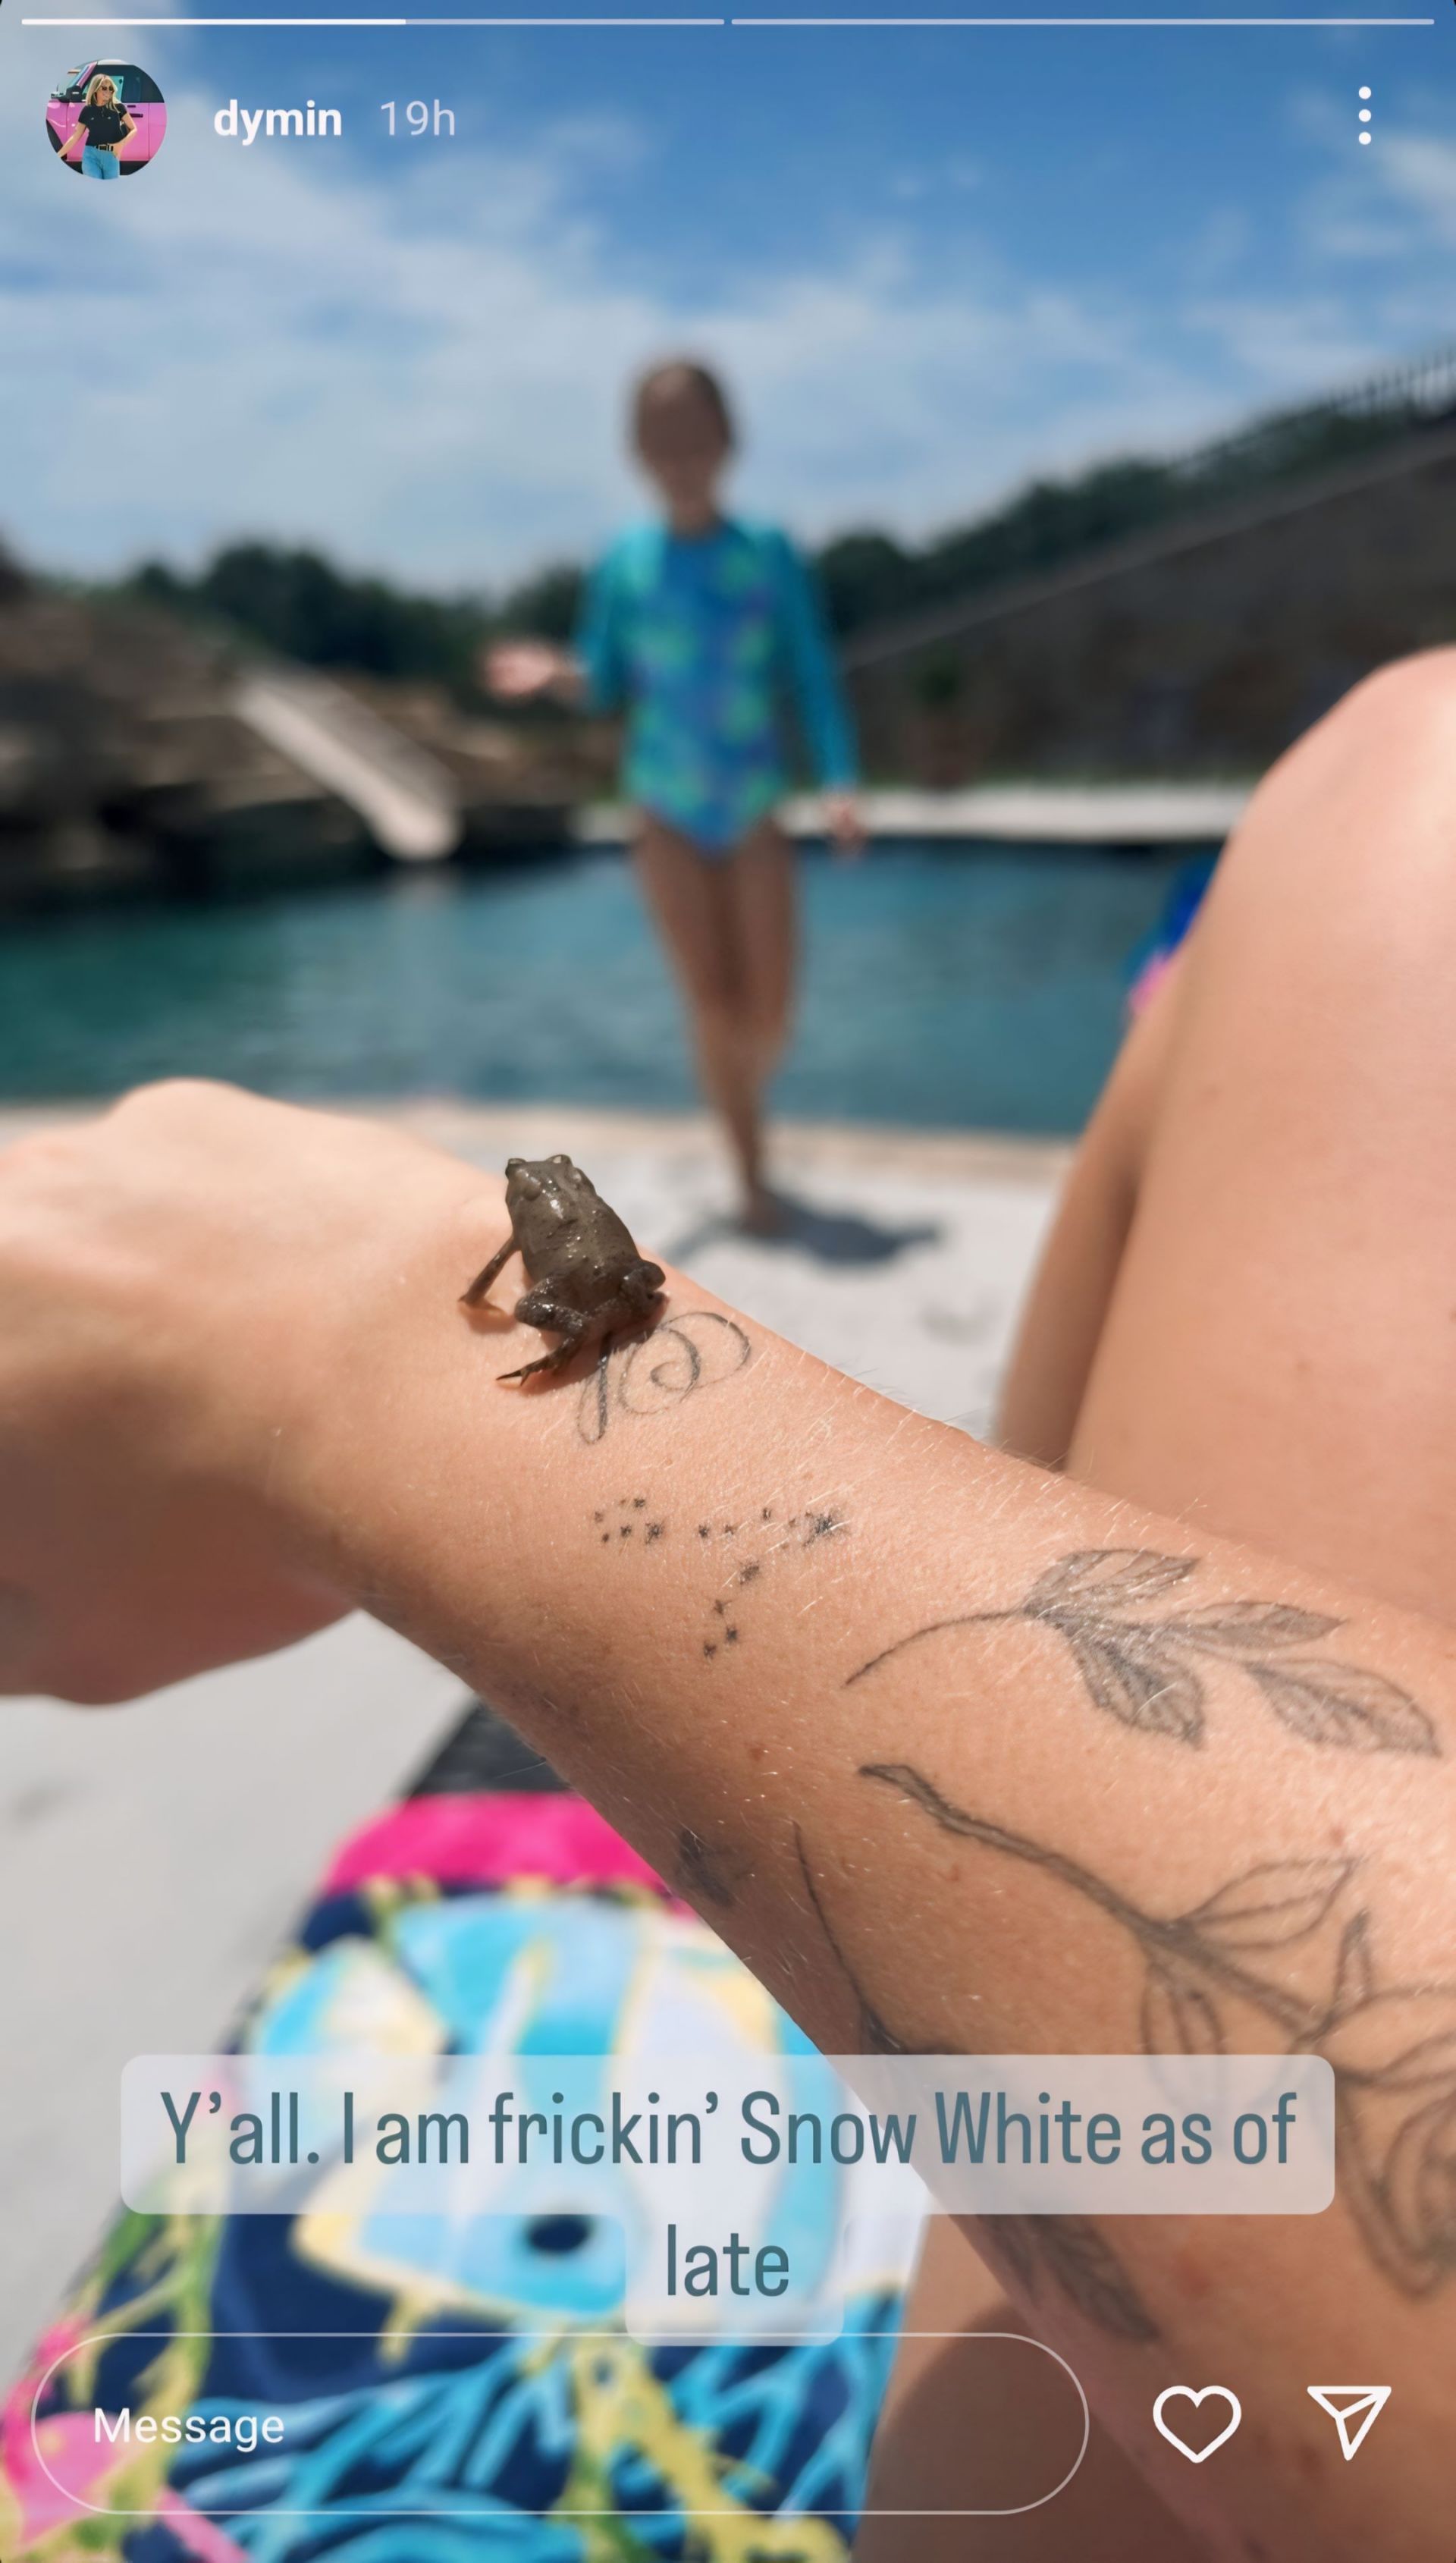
[704, 628]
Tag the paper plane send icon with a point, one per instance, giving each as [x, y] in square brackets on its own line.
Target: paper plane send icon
[1353, 2409]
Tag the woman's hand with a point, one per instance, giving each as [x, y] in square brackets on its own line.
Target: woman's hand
[188, 1289]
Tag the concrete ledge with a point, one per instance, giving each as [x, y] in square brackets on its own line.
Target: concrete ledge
[491, 1132]
[1048, 814]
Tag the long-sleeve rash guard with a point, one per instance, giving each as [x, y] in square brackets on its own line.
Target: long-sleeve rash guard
[704, 641]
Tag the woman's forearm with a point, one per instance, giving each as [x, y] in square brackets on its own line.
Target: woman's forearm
[957, 1755]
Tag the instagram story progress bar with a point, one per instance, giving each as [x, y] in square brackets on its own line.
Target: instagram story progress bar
[1084, 19]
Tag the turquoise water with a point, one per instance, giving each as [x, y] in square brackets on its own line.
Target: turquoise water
[944, 986]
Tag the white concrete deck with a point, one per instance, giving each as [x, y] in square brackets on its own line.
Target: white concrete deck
[1042, 814]
[152, 1858]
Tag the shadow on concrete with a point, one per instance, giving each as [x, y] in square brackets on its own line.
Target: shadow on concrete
[842, 1236]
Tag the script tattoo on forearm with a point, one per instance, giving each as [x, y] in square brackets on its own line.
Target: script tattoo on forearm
[1069, 2247]
[1153, 1674]
[1391, 2046]
[695, 1349]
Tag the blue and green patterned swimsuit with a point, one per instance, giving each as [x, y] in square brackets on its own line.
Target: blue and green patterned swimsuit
[703, 640]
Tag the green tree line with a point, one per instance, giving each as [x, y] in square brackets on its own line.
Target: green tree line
[300, 604]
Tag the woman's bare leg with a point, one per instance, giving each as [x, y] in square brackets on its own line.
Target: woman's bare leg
[1280, 1346]
[1263, 1217]
[1066, 1308]
[728, 924]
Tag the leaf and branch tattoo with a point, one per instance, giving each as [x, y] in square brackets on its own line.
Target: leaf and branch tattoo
[1392, 2048]
[1152, 1674]
[1070, 2248]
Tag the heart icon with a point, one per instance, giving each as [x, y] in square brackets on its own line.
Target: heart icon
[1187, 2394]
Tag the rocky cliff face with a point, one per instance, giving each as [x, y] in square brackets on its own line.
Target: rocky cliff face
[126, 758]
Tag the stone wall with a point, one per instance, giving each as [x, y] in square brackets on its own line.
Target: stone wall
[1201, 648]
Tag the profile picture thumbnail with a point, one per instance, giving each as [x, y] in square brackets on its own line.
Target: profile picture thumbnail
[106, 120]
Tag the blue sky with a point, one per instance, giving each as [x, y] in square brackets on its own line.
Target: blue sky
[932, 263]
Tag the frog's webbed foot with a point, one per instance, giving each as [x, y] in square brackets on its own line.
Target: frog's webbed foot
[574, 1329]
[556, 1360]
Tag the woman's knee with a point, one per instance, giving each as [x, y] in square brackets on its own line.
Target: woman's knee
[718, 1013]
[766, 1018]
[1419, 687]
[1399, 724]
[1346, 841]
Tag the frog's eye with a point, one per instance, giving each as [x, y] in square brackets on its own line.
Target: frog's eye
[512, 1163]
[561, 1160]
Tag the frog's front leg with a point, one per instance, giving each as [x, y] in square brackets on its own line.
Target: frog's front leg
[554, 1317]
[472, 1298]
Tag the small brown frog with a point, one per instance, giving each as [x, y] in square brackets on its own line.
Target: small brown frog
[586, 1275]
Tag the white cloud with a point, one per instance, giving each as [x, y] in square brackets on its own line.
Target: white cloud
[1418, 174]
[1289, 343]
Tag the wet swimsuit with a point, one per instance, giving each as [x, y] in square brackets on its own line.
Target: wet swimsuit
[702, 637]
